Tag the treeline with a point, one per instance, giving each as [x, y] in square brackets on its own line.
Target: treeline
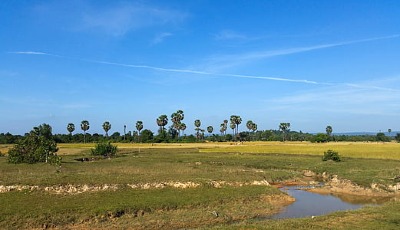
[171, 136]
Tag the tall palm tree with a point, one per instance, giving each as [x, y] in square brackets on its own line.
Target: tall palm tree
[162, 121]
[233, 127]
[106, 127]
[85, 127]
[284, 127]
[139, 127]
[328, 131]
[249, 125]
[210, 129]
[197, 123]
[176, 119]
[124, 132]
[236, 120]
[70, 128]
[182, 127]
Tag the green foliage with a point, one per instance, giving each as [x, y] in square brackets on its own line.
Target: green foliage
[146, 136]
[38, 146]
[320, 138]
[105, 149]
[382, 137]
[331, 155]
[397, 137]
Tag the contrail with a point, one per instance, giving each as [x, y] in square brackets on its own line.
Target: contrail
[170, 69]
[250, 56]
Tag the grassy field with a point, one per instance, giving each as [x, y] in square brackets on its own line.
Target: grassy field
[233, 204]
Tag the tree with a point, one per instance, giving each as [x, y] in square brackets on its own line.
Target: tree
[397, 137]
[210, 129]
[328, 130]
[139, 127]
[197, 123]
[147, 135]
[233, 126]
[236, 120]
[176, 119]
[183, 127]
[37, 146]
[106, 127]
[389, 131]
[162, 121]
[70, 128]
[85, 127]
[124, 132]
[249, 125]
[284, 127]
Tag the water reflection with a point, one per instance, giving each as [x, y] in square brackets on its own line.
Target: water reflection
[313, 204]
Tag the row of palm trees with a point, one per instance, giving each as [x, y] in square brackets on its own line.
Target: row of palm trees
[177, 124]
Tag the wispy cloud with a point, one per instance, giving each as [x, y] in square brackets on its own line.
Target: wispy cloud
[242, 58]
[120, 19]
[360, 98]
[229, 35]
[160, 37]
[176, 70]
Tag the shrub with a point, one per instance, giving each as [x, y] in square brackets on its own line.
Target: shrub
[105, 149]
[34, 148]
[331, 155]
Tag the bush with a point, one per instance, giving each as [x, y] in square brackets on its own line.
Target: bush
[105, 149]
[331, 155]
[34, 148]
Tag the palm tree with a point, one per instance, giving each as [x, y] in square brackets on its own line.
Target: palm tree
[124, 132]
[210, 129]
[284, 127]
[106, 127]
[70, 128]
[249, 125]
[139, 127]
[182, 127]
[197, 123]
[328, 131]
[236, 120]
[176, 119]
[233, 126]
[162, 121]
[85, 127]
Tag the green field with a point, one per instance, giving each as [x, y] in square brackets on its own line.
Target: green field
[137, 188]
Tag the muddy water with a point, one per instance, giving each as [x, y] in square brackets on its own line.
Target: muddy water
[309, 204]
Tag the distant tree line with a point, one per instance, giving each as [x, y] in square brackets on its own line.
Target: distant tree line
[176, 133]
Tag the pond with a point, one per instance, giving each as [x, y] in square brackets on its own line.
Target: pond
[313, 204]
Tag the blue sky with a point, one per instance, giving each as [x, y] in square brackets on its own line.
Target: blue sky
[310, 63]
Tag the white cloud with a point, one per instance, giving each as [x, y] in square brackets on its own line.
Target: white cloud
[160, 37]
[227, 61]
[361, 98]
[229, 35]
[122, 18]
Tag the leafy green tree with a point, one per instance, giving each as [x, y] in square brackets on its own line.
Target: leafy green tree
[147, 136]
[233, 127]
[85, 127]
[37, 146]
[106, 127]
[70, 128]
[397, 137]
[284, 127]
[382, 137]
